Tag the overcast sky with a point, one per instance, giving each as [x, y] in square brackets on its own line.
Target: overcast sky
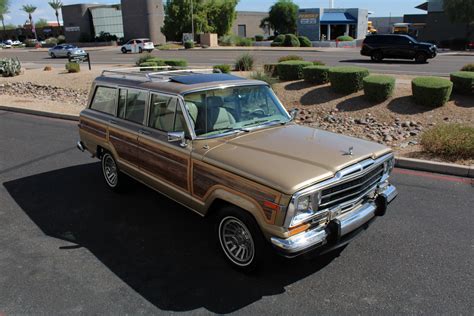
[379, 7]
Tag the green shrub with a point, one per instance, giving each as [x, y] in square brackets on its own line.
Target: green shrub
[276, 44]
[259, 38]
[225, 69]
[157, 61]
[262, 76]
[143, 58]
[468, 67]
[347, 79]
[146, 66]
[316, 74]
[279, 39]
[10, 67]
[73, 67]
[304, 41]
[51, 41]
[292, 69]
[244, 62]
[176, 62]
[189, 44]
[318, 63]
[463, 82]
[291, 41]
[227, 40]
[378, 88]
[61, 39]
[345, 38]
[271, 70]
[289, 57]
[242, 41]
[452, 141]
[431, 91]
[233, 40]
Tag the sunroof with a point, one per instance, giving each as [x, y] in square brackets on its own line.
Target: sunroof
[203, 78]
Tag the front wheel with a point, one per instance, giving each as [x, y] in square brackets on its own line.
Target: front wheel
[377, 56]
[421, 58]
[240, 239]
[140, 50]
[112, 175]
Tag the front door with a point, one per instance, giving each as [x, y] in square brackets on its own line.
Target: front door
[164, 161]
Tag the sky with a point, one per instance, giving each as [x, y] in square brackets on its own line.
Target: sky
[378, 7]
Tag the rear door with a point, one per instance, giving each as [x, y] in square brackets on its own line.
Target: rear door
[123, 131]
[402, 47]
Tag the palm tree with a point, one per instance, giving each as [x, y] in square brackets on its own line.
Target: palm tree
[4, 4]
[30, 9]
[56, 5]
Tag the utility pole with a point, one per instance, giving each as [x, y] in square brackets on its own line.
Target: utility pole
[192, 19]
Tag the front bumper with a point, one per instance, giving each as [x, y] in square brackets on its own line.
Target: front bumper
[339, 231]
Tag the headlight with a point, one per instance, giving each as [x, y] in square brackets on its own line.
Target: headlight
[305, 206]
[388, 165]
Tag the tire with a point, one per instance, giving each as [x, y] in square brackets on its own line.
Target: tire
[377, 56]
[68, 55]
[240, 239]
[53, 55]
[114, 179]
[124, 50]
[140, 50]
[421, 58]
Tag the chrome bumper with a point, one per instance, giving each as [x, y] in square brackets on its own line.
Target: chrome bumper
[346, 224]
[80, 146]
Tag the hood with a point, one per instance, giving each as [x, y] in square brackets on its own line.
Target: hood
[289, 158]
[426, 44]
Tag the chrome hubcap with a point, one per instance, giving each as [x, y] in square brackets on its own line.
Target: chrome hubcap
[236, 241]
[110, 171]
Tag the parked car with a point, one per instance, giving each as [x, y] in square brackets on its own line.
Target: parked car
[226, 148]
[65, 50]
[6, 44]
[397, 46]
[142, 44]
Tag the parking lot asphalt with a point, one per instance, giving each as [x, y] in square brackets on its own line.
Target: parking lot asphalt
[442, 65]
[70, 246]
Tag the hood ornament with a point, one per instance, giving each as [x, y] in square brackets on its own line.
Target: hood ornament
[350, 152]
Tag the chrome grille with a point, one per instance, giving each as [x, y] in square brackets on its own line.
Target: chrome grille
[351, 190]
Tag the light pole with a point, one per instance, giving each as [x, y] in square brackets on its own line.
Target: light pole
[192, 19]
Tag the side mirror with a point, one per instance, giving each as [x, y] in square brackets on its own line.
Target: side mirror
[293, 113]
[177, 137]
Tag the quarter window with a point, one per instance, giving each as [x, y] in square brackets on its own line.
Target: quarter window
[104, 100]
[132, 105]
[165, 114]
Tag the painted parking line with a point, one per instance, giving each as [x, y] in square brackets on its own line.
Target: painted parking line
[433, 176]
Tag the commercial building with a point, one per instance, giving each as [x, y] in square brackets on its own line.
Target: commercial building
[327, 24]
[247, 24]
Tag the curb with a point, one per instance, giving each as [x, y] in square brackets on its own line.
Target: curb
[68, 117]
[436, 167]
[400, 162]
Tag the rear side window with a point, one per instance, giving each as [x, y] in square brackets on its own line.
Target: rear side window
[165, 114]
[132, 105]
[104, 100]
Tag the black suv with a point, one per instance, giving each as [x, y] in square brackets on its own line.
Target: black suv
[379, 47]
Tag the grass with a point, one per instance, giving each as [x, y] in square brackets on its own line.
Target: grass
[169, 46]
[451, 141]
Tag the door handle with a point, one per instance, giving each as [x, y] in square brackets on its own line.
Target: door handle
[112, 122]
[143, 132]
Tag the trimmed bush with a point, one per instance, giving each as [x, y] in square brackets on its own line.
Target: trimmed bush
[292, 69]
[345, 38]
[431, 91]
[276, 44]
[378, 88]
[61, 39]
[452, 141]
[225, 69]
[347, 79]
[143, 59]
[318, 63]
[189, 44]
[244, 62]
[289, 57]
[259, 38]
[291, 41]
[463, 82]
[271, 70]
[227, 40]
[73, 67]
[468, 67]
[242, 41]
[176, 62]
[279, 39]
[304, 41]
[316, 74]
[260, 75]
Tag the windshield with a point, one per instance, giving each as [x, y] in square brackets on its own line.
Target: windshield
[234, 109]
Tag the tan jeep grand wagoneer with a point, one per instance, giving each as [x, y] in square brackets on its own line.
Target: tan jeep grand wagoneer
[225, 147]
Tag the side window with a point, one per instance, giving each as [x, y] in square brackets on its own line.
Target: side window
[104, 100]
[132, 105]
[165, 114]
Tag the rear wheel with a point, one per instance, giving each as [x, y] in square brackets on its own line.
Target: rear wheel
[112, 175]
[421, 58]
[53, 55]
[377, 56]
[240, 239]
[124, 50]
[140, 50]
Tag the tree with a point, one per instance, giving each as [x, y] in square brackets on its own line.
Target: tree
[56, 5]
[461, 11]
[30, 9]
[220, 15]
[41, 23]
[282, 17]
[4, 4]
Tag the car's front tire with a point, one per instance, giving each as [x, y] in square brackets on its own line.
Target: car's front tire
[140, 50]
[114, 179]
[240, 239]
[421, 58]
[377, 56]
[53, 55]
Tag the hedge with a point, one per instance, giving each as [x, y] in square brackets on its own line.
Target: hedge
[146, 66]
[225, 69]
[291, 41]
[378, 88]
[271, 70]
[345, 38]
[316, 74]
[347, 79]
[279, 39]
[431, 91]
[304, 41]
[463, 82]
[176, 62]
[289, 57]
[189, 44]
[259, 38]
[292, 69]
[452, 141]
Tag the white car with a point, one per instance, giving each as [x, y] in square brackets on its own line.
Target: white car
[142, 44]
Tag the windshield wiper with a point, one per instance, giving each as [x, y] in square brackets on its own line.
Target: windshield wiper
[265, 123]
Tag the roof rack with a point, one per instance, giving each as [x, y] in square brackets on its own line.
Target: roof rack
[150, 73]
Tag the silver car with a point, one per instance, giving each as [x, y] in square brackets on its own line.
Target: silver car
[65, 50]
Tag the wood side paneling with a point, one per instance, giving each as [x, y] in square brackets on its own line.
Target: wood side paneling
[126, 145]
[94, 128]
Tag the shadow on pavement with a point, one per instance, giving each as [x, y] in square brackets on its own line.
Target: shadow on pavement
[157, 247]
